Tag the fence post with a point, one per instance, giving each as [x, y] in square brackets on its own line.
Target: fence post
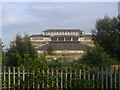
[98, 75]
[61, 79]
[102, 78]
[88, 74]
[106, 78]
[119, 76]
[93, 77]
[18, 76]
[57, 77]
[33, 80]
[8, 77]
[13, 75]
[48, 78]
[43, 85]
[75, 77]
[52, 72]
[84, 74]
[28, 80]
[70, 77]
[4, 76]
[111, 77]
[115, 77]
[23, 74]
[66, 77]
[80, 77]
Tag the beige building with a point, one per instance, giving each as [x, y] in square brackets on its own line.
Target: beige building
[68, 44]
[51, 33]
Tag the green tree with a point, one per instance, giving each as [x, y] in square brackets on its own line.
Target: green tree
[50, 49]
[95, 56]
[107, 35]
[20, 51]
[3, 57]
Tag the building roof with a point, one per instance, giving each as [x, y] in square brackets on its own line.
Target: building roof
[87, 35]
[62, 30]
[73, 45]
[64, 36]
[39, 35]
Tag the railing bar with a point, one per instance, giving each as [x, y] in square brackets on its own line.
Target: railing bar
[13, 75]
[8, 77]
[102, 78]
[4, 75]
[115, 77]
[18, 76]
[61, 79]
[111, 77]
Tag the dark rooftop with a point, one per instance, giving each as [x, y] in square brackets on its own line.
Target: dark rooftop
[64, 36]
[39, 35]
[63, 46]
[62, 30]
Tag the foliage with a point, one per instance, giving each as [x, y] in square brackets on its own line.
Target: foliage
[21, 51]
[107, 35]
[50, 49]
[97, 57]
[3, 56]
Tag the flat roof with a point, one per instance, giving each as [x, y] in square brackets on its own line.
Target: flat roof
[39, 35]
[62, 30]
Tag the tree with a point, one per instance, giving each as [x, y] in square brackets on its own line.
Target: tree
[3, 57]
[95, 56]
[21, 51]
[107, 35]
[50, 49]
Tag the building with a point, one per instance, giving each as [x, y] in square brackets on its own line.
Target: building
[68, 44]
[53, 32]
[49, 34]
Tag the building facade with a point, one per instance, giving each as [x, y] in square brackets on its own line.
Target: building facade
[70, 44]
[51, 34]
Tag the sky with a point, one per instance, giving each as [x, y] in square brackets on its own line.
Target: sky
[35, 17]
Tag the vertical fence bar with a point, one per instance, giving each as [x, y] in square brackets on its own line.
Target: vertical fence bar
[8, 77]
[106, 78]
[93, 77]
[80, 77]
[80, 74]
[84, 74]
[13, 75]
[33, 80]
[98, 76]
[98, 73]
[4, 76]
[70, 77]
[57, 77]
[102, 78]
[111, 77]
[52, 73]
[27, 79]
[48, 78]
[66, 77]
[61, 74]
[119, 77]
[23, 74]
[38, 86]
[43, 85]
[18, 76]
[88, 75]
[115, 77]
[75, 77]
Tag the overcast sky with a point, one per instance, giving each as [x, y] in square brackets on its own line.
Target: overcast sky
[33, 18]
